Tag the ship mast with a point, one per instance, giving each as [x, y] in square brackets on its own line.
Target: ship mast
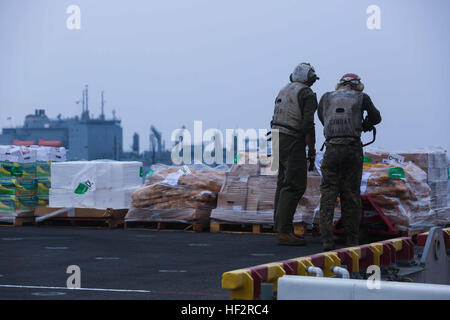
[102, 116]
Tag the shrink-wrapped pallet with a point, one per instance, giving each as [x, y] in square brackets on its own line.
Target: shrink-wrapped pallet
[402, 191]
[177, 194]
[98, 184]
[433, 161]
[248, 194]
[101, 174]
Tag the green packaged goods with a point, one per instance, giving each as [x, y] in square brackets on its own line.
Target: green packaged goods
[10, 169]
[7, 186]
[42, 200]
[26, 202]
[7, 203]
[43, 169]
[43, 186]
[25, 187]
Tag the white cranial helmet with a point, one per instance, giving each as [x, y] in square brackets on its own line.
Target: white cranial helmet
[302, 73]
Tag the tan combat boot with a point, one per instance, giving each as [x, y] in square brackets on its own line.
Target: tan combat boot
[289, 239]
[328, 246]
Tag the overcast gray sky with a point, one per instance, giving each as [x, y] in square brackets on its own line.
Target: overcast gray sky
[169, 63]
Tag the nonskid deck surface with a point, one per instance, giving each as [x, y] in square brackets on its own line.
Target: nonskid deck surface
[130, 264]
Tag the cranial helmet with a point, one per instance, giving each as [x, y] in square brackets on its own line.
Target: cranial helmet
[353, 79]
[304, 73]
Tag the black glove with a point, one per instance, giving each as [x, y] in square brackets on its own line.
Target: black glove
[366, 125]
[311, 158]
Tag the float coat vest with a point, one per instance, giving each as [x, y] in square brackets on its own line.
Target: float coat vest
[342, 114]
[287, 114]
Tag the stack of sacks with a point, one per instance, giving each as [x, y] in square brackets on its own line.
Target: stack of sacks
[177, 194]
[98, 184]
[249, 192]
[404, 198]
[406, 186]
[434, 162]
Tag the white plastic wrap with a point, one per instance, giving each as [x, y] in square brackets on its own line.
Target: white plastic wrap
[101, 174]
[98, 199]
[64, 198]
[43, 153]
[98, 184]
[19, 154]
[177, 194]
[418, 200]
[114, 198]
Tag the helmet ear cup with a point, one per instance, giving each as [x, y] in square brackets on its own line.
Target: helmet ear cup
[290, 78]
[360, 86]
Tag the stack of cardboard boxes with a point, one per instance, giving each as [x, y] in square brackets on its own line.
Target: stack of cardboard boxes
[17, 179]
[25, 176]
[247, 196]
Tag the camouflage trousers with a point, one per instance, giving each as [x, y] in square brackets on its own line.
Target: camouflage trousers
[341, 176]
[291, 183]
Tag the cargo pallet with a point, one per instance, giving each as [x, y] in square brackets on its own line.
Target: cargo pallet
[228, 227]
[82, 222]
[16, 219]
[81, 217]
[166, 226]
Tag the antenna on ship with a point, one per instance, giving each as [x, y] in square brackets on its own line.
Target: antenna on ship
[102, 116]
[82, 106]
[87, 105]
[85, 113]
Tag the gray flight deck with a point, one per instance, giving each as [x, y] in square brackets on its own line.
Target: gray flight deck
[129, 264]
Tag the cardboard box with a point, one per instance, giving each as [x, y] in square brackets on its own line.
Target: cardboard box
[236, 201]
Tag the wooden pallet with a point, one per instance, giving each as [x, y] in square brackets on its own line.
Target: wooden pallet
[227, 227]
[413, 233]
[82, 222]
[17, 219]
[110, 219]
[166, 226]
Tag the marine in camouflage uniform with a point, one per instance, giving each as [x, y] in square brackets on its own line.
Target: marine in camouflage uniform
[341, 112]
[293, 117]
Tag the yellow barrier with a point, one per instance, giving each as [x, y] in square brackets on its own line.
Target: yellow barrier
[274, 271]
[355, 252]
[241, 283]
[377, 249]
[398, 244]
[331, 260]
[303, 263]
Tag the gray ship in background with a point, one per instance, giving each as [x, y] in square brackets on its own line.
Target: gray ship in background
[89, 138]
[84, 137]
